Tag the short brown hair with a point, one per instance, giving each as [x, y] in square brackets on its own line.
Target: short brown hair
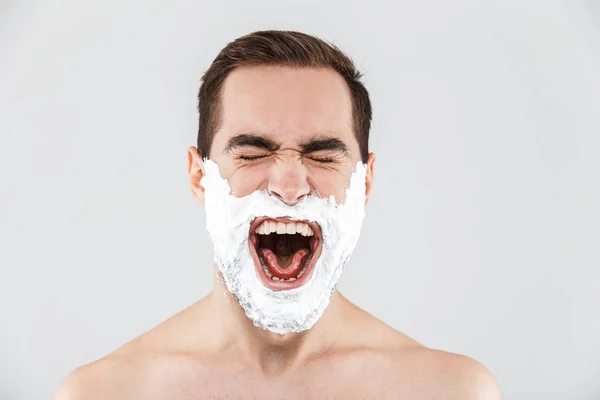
[284, 48]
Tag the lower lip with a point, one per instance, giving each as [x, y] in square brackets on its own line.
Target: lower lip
[283, 285]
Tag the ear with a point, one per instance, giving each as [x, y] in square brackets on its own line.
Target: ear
[369, 176]
[195, 173]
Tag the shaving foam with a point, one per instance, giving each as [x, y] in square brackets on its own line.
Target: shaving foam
[228, 220]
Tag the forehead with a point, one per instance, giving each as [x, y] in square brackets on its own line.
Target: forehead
[290, 105]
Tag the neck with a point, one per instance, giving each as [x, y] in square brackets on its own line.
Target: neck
[274, 353]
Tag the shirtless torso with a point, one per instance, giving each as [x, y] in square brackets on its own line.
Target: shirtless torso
[348, 354]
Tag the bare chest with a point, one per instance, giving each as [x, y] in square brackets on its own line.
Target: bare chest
[317, 383]
[239, 389]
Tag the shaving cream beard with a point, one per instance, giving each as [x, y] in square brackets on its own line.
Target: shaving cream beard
[228, 220]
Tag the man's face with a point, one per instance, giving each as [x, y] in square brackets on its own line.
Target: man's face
[286, 130]
[287, 149]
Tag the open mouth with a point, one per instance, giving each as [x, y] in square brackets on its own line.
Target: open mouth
[284, 251]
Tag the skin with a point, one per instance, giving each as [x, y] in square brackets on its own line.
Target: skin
[211, 350]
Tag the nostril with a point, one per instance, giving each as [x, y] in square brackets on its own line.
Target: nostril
[289, 200]
[272, 193]
[301, 197]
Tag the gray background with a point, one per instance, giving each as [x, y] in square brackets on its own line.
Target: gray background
[482, 233]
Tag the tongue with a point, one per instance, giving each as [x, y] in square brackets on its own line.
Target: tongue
[286, 271]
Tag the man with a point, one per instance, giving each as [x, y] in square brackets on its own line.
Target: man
[283, 169]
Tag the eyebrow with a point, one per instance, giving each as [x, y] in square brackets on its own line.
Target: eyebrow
[250, 140]
[325, 144]
[320, 143]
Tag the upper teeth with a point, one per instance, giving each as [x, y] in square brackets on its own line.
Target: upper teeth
[290, 228]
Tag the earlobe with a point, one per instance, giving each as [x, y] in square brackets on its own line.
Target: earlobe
[195, 174]
[369, 176]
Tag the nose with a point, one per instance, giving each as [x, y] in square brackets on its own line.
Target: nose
[289, 183]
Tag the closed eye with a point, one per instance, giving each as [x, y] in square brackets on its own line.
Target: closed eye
[250, 158]
[321, 159]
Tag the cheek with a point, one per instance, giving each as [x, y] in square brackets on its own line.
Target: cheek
[333, 182]
[244, 182]
[330, 184]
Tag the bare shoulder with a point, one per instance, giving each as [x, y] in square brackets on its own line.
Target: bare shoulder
[447, 375]
[102, 379]
[143, 374]
[441, 374]
[428, 373]
[134, 368]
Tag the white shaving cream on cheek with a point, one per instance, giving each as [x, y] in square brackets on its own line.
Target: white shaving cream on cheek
[228, 220]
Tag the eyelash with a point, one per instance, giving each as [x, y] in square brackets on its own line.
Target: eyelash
[319, 160]
[251, 158]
